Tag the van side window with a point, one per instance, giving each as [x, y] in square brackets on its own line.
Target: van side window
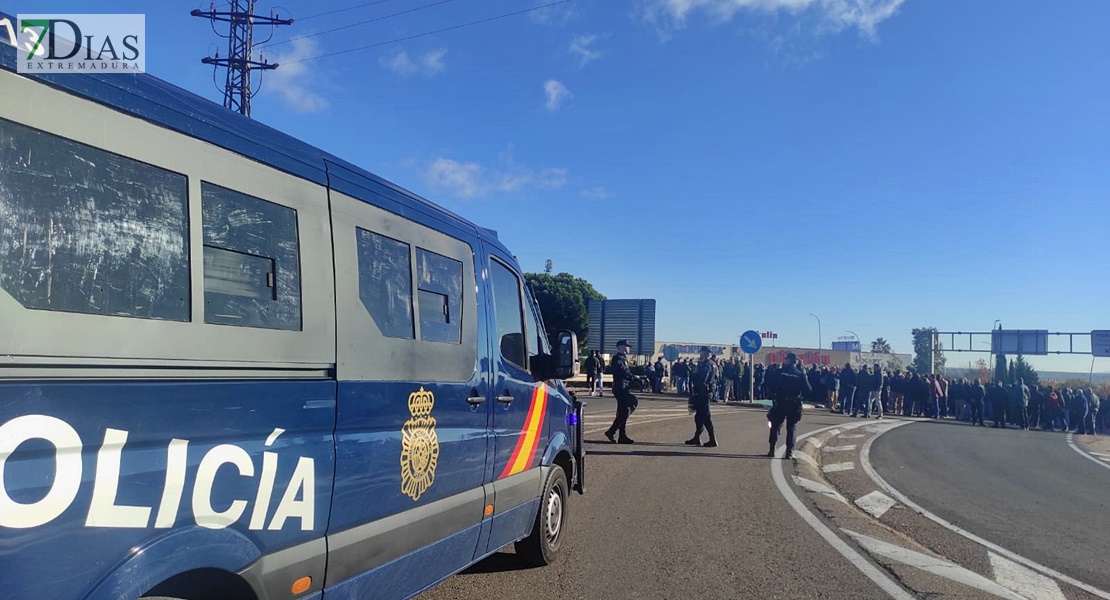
[507, 313]
[252, 271]
[439, 283]
[385, 283]
[87, 231]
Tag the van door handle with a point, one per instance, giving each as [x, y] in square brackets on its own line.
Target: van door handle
[505, 399]
[475, 400]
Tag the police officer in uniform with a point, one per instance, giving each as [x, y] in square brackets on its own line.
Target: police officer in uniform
[703, 383]
[790, 386]
[626, 402]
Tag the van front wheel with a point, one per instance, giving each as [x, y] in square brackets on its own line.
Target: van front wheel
[541, 547]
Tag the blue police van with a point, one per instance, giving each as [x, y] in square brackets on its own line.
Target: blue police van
[233, 365]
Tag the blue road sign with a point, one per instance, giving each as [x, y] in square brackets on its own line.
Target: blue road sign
[750, 342]
[670, 353]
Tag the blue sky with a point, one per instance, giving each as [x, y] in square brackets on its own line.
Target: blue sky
[883, 164]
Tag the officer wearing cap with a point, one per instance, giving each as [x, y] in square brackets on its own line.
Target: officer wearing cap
[790, 386]
[626, 402]
[704, 374]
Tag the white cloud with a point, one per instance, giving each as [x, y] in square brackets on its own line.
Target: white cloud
[556, 94]
[472, 180]
[431, 63]
[294, 81]
[596, 193]
[833, 16]
[555, 16]
[581, 47]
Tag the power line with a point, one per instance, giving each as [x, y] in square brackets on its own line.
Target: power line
[332, 12]
[374, 20]
[427, 33]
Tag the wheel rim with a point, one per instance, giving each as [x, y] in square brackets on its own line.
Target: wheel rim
[554, 516]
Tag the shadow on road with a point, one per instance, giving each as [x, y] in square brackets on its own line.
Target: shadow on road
[502, 562]
[693, 453]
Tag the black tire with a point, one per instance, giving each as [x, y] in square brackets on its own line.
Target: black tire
[541, 547]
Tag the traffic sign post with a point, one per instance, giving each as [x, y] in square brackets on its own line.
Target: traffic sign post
[1100, 342]
[751, 342]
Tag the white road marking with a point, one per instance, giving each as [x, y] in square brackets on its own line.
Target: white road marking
[819, 488]
[875, 504]
[839, 448]
[806, 458]
[865, 462]
[1084, 454]
[838, 467]
[1025, 582]
[931, 564]
[879, 577]
[854, 436]
[1101, 454]
[813, 486]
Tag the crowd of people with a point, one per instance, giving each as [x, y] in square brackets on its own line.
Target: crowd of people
[872, 390]
[788, 384]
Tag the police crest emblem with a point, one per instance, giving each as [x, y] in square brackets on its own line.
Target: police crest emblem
[419, 446]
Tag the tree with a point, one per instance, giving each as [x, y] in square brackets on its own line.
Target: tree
[1021, 369]
[1000, 372]
[564, 301]
[921, 340]
[982, 370]
[880, 346]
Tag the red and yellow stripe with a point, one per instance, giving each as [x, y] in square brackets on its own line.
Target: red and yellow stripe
[529, 438]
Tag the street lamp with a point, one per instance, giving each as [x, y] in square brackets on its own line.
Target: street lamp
[818, 329]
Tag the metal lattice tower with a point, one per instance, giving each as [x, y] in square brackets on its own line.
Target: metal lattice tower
[240, 47]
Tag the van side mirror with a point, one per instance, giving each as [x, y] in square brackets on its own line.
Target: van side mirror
[565, 355]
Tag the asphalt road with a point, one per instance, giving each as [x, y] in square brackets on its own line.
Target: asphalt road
[1026, 491]
[668, 521]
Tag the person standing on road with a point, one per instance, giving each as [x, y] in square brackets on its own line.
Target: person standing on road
[591, 372]
[847, 388]
[863, 392]
[760, 373]
[1092, 411]
[999, 401]
[790, 385]
[703, 382]
[975, 398]
[878, 382]
[626, 402]
[600, 374]
[657, 376]
[1019, 404]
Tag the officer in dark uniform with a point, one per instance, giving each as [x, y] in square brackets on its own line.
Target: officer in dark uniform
[703, 382]
[790, 386]
[976, 396]
[626, 402]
